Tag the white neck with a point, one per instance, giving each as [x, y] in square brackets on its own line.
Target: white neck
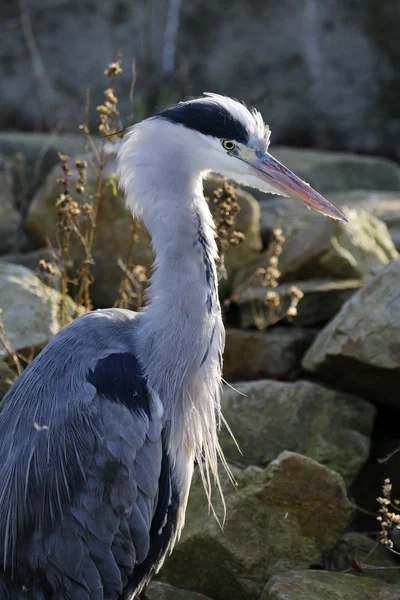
[180, 337]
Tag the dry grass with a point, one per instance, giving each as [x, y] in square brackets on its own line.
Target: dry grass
[276, 308]
[81, 219]
[389, 518]
[224, 208]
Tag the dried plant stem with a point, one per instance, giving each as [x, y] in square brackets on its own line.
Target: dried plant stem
[4, 339]
[65, 259]
[134, 276]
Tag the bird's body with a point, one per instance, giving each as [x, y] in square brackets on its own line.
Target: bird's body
[99, 435]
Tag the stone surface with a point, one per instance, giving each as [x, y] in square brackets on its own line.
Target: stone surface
[319, 247]
[383, 205]
[359, 249]
[31, 156]
[31, 259]
[114, 229]
[374, 559]
[274, 522]
[360, 348]
[30, 308]
[322, 300]
[157, 590]
[268, 417]
[12, 237]
[7, 377]
[315, 585]
[274, 353]
[324, 73]
[330, 172]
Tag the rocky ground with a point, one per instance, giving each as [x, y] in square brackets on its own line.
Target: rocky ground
[313, 401]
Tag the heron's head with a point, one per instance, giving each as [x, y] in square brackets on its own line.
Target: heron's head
[231, 140]
[217, 133]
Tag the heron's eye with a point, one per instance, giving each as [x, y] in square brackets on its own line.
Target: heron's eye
[228, 145]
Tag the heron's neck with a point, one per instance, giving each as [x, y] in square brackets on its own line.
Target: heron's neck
[181, 325]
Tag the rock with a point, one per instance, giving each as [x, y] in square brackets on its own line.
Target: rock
[374, 559]
[7, 377]
[320, 247]
[268, 417]
[31, 261]
[31, 156]
[314, 585]
[383, 205]
[12, 237]
[322, 300]
[307, 232]
[278, 518]
[359, 250]
[30, 308]
[275, 353]
[330, 172]
[360, 348]
[114, 229]
[157, 590]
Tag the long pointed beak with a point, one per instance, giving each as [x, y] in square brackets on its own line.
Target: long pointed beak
[270, 170]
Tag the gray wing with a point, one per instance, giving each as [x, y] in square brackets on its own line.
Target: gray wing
[80, 494]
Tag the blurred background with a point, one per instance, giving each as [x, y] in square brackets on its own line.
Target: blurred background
[324, 74]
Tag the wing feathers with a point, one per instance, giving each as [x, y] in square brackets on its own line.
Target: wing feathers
[89, 484]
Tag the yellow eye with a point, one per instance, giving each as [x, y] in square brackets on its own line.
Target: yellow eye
[228, 145]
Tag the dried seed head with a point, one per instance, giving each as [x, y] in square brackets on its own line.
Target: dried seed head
[291, 311]
[113, 70]
[272, 299]
[110, 96]
[296, 293]
[47, 267]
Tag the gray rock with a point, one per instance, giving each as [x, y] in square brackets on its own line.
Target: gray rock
[7, 377]
[268, 417]
[31, 259]
[157, 590]
[30, 309]
[383, 205]
[275, 353]
[31, 156]
[359, 349]
[12, 238]
[360, 249]
[314, 585]
[279, 518]
[330, 172]
[319, 247]
[322, 300]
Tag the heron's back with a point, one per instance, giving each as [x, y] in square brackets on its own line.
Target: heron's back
[88, 501]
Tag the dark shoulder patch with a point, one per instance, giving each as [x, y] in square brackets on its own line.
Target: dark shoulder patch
[119, 378]
[209, 118]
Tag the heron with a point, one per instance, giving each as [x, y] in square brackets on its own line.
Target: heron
[100, 433]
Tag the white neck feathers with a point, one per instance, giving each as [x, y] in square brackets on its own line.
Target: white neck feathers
[181, 337]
